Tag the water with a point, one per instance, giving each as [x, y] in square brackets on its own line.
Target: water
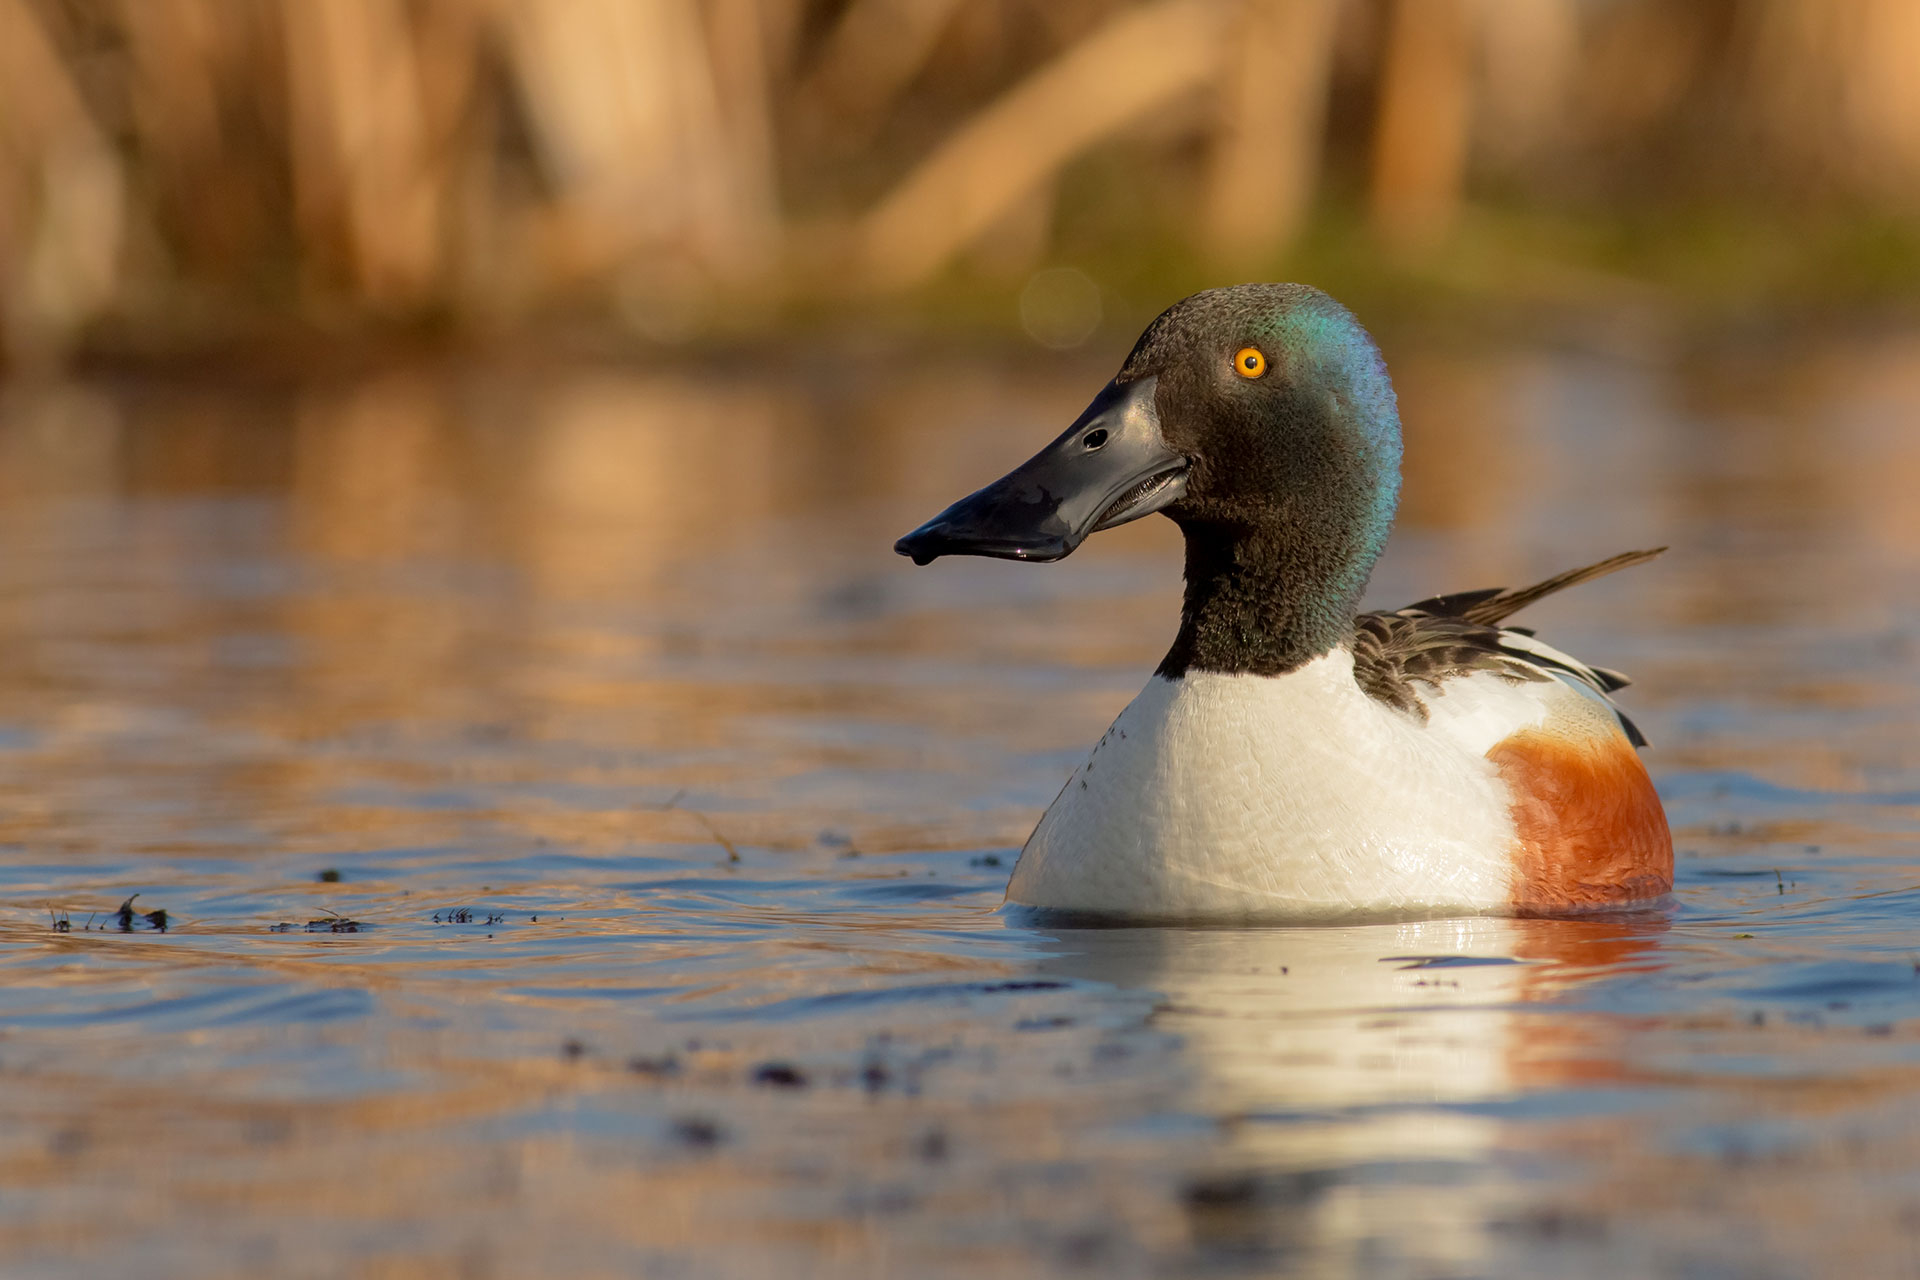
[671, 813]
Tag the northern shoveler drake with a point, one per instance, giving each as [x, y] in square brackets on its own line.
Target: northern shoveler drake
[1293, 758]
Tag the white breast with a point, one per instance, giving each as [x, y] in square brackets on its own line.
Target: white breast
[1287, 797]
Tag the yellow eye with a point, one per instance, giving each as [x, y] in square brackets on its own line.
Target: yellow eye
[1249, 363]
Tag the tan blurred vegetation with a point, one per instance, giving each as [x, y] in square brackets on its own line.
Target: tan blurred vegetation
[177, 168]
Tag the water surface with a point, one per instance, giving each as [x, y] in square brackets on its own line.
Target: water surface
[582, 841]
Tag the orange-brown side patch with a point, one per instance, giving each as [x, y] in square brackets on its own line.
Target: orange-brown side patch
[1591, 830]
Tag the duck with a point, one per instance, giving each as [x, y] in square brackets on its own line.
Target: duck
[1293, 758]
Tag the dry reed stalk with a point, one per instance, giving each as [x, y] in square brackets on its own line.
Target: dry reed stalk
[364, 174]
[1134, 64]
[1836, 90]
[1266, 148]
[1529, 50]
[62, 198]
[176, 73]
[1420, 146]
[739, 40]
[625, 106]
[206, 138]
[873, 53]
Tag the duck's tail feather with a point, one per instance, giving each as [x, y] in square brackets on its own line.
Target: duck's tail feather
[1490, 607]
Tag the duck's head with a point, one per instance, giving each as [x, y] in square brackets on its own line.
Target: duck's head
[1261, 408]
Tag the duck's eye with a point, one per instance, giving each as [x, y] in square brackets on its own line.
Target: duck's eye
[1249, 363]
[1094, 438]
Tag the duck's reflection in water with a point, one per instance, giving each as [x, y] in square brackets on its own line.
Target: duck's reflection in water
[1366, 1076]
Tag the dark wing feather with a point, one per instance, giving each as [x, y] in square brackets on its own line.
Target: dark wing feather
[1443, 637]
[1393, 652]
[1492, 606]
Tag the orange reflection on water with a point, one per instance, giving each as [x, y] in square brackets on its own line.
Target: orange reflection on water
[619, 659]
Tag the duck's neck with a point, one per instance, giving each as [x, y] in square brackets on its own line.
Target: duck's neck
[1268, 597]
[1260, 604]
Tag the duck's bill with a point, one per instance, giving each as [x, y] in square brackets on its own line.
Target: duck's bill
[1111, 466]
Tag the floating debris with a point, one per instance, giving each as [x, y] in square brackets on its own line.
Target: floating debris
[334, 923]
[698, 1131]
[125, 919]
[933, 1146]
[779, 1075]
[329, 876]
[1221, 1191]
[466, 915]
[1043, 1024]
[573, 1050]
[673, 805]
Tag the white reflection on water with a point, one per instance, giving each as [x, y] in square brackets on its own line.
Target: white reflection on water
[1346, 1063]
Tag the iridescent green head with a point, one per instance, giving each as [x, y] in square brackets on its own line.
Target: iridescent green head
[1261, 420]
[1281, 403]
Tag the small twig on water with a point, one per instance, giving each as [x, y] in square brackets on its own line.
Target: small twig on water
[733, 854]
[673, 803]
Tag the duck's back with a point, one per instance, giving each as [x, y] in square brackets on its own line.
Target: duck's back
[1439, 764]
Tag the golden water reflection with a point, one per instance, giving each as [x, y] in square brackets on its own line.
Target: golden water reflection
[619, 659]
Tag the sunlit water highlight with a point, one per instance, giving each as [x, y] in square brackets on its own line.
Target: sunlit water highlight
[671, 814]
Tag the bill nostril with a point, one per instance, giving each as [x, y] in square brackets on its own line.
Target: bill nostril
[1094, 439]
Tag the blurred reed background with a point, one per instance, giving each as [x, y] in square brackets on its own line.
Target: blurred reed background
[174, 172]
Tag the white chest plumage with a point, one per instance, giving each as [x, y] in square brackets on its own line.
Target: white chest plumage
[1295, 797]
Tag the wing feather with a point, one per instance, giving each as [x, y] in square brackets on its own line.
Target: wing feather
[1446, 637]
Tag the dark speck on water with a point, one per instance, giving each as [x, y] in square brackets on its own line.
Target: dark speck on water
[1555, 1224]
[1223, 1191]
[779, 1075]
[697, 1132]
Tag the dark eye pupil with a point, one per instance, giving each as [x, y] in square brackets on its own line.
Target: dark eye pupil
[1094, 438]
[1250, 361]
